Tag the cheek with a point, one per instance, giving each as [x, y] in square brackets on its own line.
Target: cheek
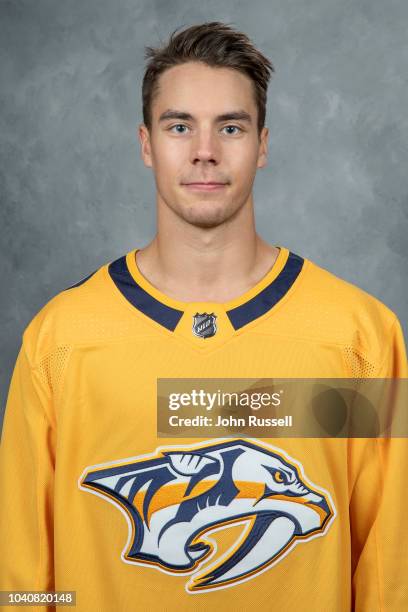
[169, 159]
[241, 156]
[167, 165]
[242, 165]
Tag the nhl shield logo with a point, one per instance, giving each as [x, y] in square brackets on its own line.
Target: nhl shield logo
[204, 325]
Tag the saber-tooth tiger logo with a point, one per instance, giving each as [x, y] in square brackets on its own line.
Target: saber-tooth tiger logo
[174, 498]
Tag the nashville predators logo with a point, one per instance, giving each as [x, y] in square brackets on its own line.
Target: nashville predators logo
[176, 497]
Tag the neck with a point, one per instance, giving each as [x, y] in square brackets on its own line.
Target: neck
[190, 263]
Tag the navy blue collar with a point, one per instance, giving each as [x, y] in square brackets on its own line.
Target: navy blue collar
[269, 296]
[169, 317]
[140, 298]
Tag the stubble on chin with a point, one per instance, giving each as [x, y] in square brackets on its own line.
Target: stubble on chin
[205, 217]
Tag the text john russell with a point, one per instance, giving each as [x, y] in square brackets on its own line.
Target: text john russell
[230, 421]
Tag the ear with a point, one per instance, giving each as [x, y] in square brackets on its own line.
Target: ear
[263, 148]
[145, 146]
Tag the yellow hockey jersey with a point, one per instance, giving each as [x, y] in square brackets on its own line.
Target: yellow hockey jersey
[199, 524]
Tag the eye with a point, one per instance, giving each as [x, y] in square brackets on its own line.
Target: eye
[234, 127]
[177, 125]
[279, 477]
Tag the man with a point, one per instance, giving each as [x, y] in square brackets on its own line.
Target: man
[228, 523]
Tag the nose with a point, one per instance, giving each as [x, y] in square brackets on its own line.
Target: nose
[204, 147]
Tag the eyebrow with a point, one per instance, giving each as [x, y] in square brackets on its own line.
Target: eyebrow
[239, 115]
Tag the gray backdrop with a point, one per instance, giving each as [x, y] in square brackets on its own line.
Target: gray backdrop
[75, 193]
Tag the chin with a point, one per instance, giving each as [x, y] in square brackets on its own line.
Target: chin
[206, 219]
[207, 214]
[204, 223]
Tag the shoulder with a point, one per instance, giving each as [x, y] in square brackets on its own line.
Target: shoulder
[87, 312]
[345, 299]
[325, 308]
[347, 313]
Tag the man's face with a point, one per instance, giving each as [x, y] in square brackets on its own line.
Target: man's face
[192, 142]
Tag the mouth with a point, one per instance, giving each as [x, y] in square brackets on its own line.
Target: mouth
[265, 541]
[201, 186]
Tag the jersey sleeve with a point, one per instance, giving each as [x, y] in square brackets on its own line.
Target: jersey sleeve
[27, 461]
[379, 498]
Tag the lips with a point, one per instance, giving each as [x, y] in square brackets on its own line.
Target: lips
[205, 186]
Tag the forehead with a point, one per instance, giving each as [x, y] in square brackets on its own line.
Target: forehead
[198, 88]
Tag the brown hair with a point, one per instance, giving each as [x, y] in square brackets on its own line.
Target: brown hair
[215, 44]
